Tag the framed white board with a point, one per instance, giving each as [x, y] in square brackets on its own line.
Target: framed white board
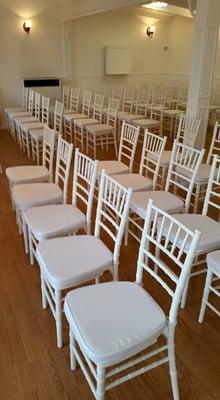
[117, 61]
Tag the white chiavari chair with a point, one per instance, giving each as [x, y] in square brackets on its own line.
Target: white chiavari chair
[128, 328]
[74, 101]
[209, 227]
[36, 130]
[24, 107]
[31, 173]
[202, 178]
[58, 220]
[184, 165]
[104, 133]
[84, 257]
[80, 124]
[69, 118]
[147, 178]
[126, 154]
[38, 194]
[187, 132]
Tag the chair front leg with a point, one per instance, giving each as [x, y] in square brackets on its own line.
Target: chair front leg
[58, 317]
[205, 295]
[172, 363]
[73, 360]
[25, 233]
[100, 389]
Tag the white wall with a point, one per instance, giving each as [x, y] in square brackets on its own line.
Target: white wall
[126, 28]
[122, 28]
[36, 54]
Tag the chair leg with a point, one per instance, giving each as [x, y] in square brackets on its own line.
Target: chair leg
[205, 295]
[100, 389]
[43, 293]
[25, 234]
[73, 361]
[185, 291]
[58, 317]
[30, 239]
[197, 194]
[116, 147]
[172, 365]
[94, 148]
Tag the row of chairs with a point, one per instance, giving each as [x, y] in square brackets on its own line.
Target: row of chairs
[78, 126]
[86, 257]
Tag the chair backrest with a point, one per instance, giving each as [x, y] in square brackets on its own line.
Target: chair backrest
[58, 117]
[174, 241]
[159, 99]
[84, 179]
[66, 96]
[187, 130]
[182, 94]
[107, 91]
[157, 113]
[215, 143]
[63, 162]
[212, 197]
[112, 213]
[49, 139]
[31, 101]
[45, 116]
[113, 107]
[128, 144]
[98, 107]
[152, 151]
[37, 105]
[86, 106]
[117, 93]
[183, 169]
[25, 98]
[142, 104]
[74, 99]
[128, 99]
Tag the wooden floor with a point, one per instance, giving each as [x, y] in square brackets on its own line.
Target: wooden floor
[31, 367]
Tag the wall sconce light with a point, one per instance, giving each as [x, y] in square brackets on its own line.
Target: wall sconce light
[150, 31]
[27, 26]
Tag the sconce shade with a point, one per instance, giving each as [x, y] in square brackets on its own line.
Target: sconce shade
[150, 31]
[27, 26]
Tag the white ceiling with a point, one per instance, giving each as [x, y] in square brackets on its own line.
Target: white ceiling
[26, 8]
[30, 8]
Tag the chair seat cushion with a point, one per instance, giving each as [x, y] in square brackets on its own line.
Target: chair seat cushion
[27, 174]
[15, 114]
[136, 182]
[112, 321]
[81, 123]
[13, 110]
[69, 261]
[54, 220]
[122, 114]
[99, 128]
[164, 200]
[130, 117]
[71, 117]
[20, 120]
[209, 228]
[147, 122]
[37, 134]
[36, 194]
[171, 113]
[203, 174]
[165, 160]
[213, 261]
[66, 112]
[27, 126]
[112, 167]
